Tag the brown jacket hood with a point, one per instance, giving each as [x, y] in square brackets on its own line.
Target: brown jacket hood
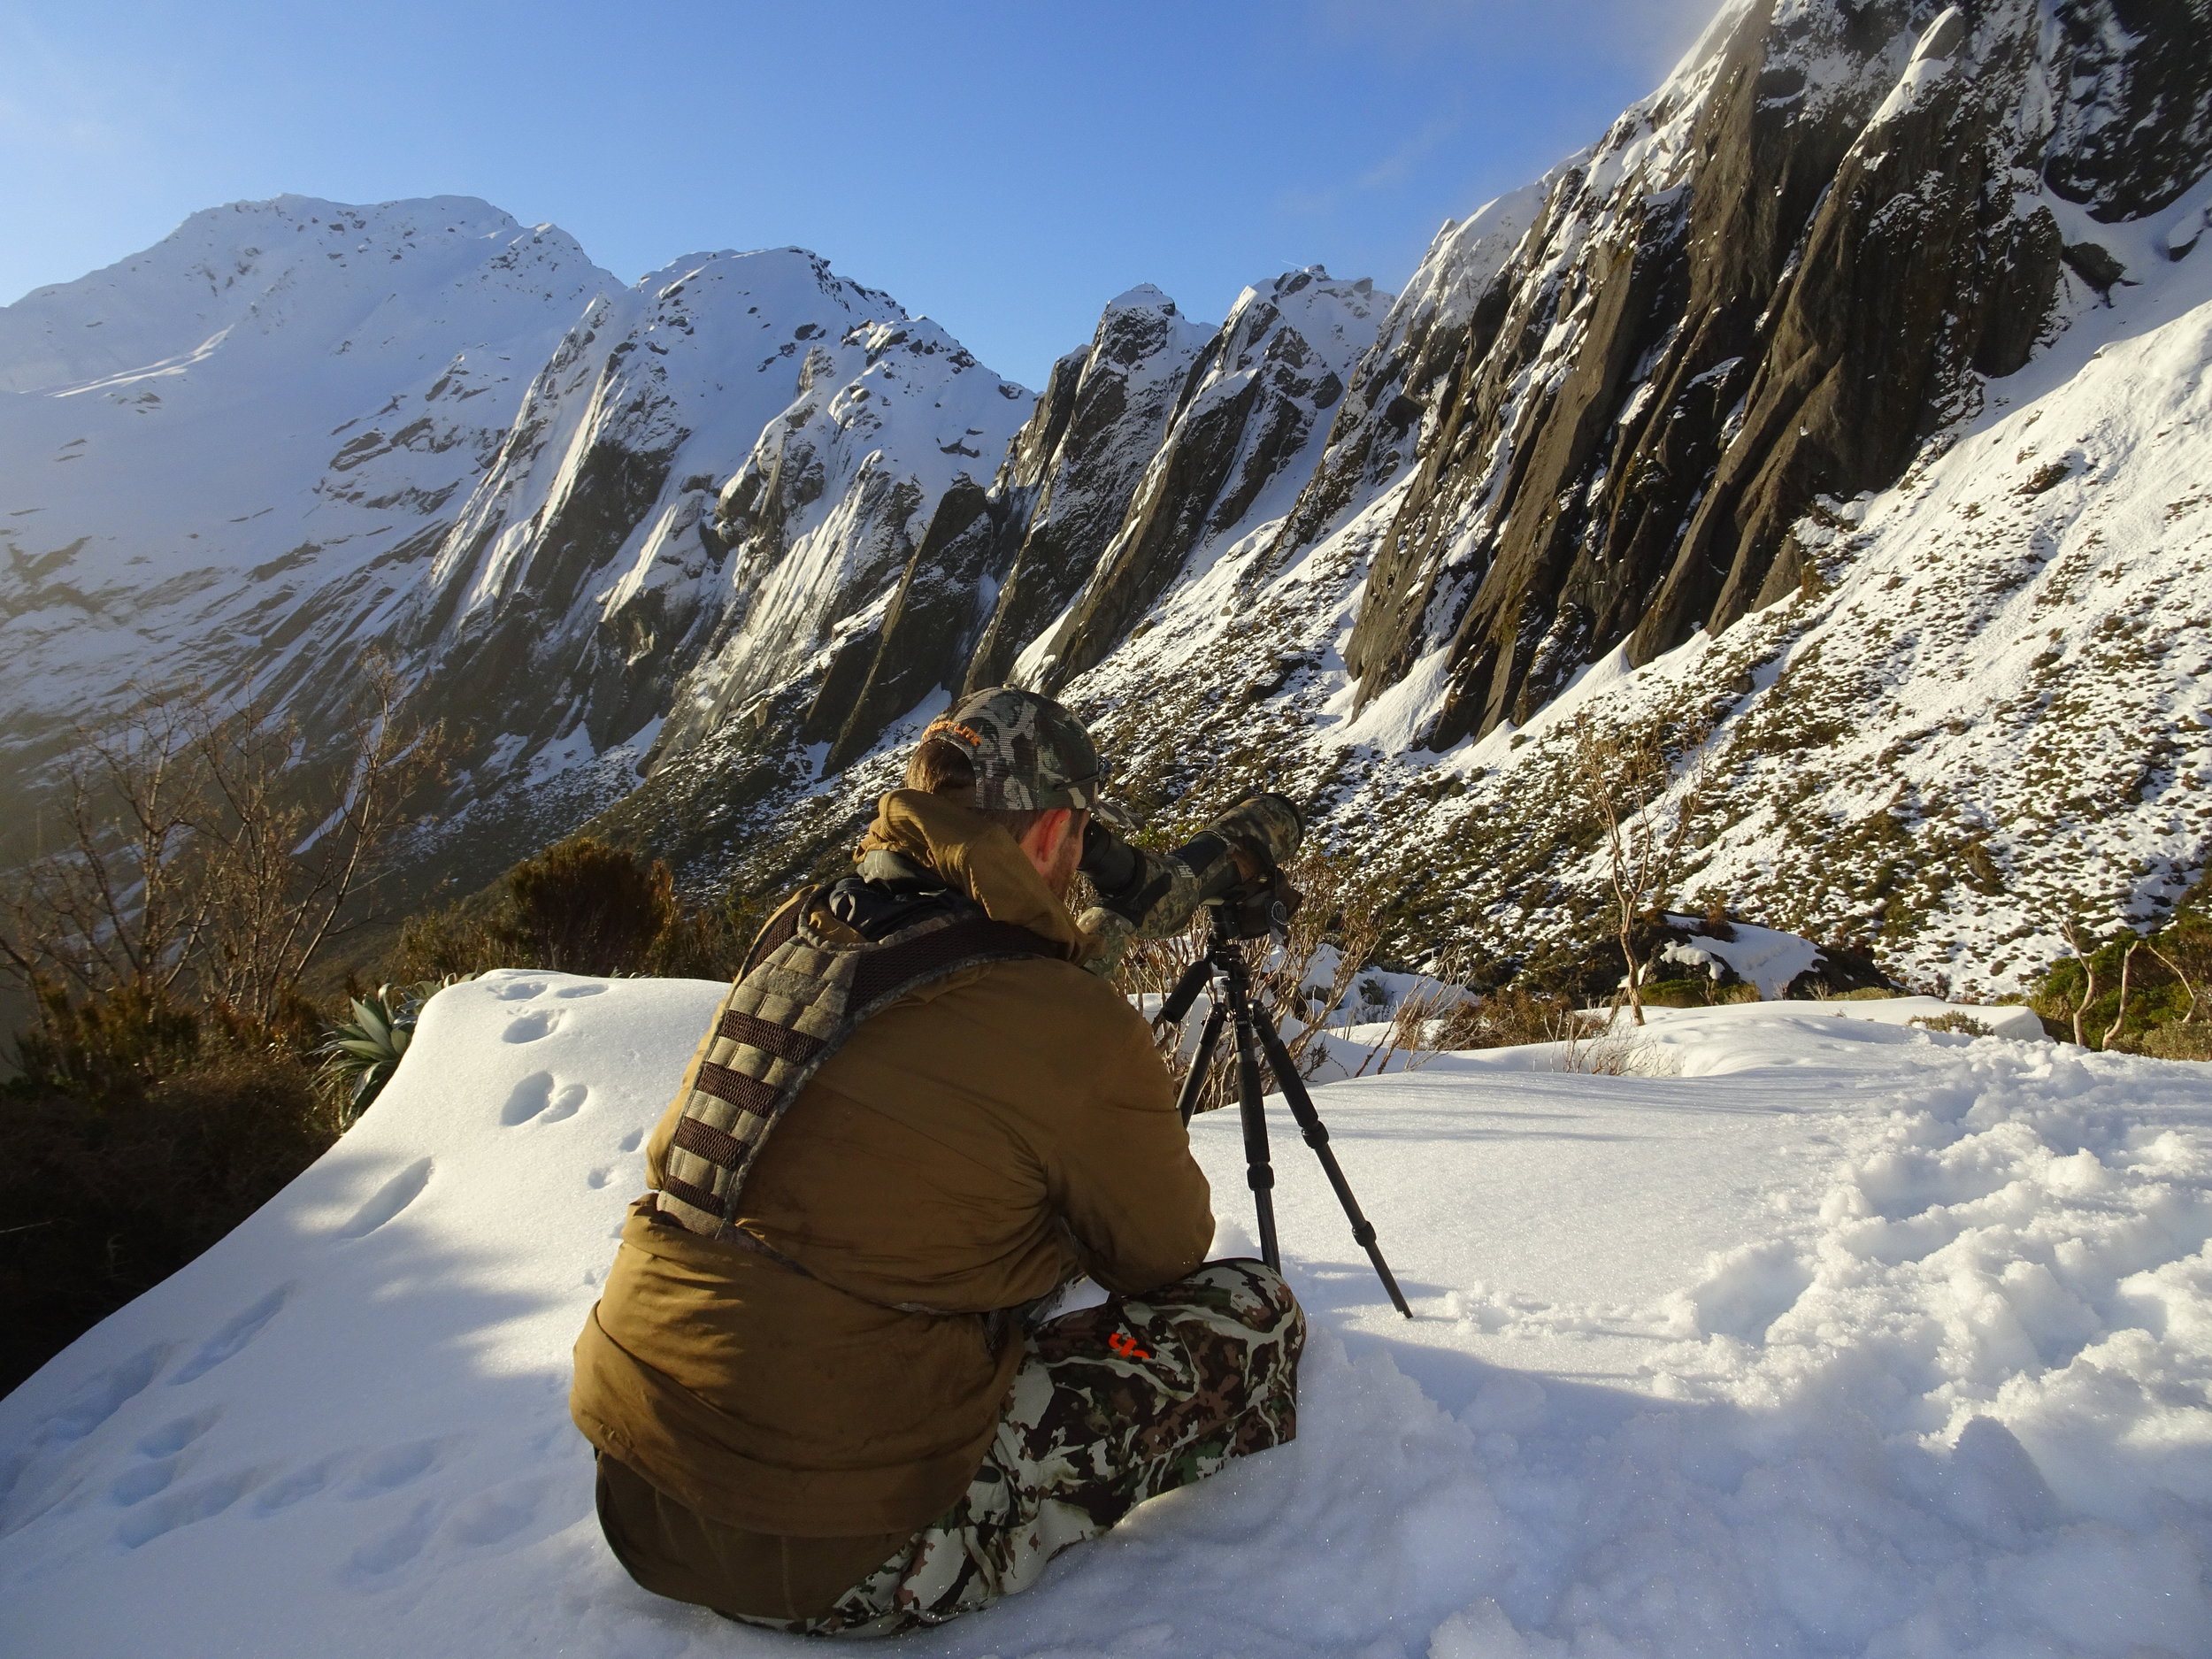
[976, 857]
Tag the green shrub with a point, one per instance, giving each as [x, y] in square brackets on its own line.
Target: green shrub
[360, 1054]
[2167, 987]
[106, 1192]
[583, 907]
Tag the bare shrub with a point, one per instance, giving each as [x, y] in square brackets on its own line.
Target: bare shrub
[1621, 779]
[2179, 1041]
[1954, 1021]
[204, 864]
[1417, 1029]
[203, 868]
[1508, 1019]
[1611, 1050]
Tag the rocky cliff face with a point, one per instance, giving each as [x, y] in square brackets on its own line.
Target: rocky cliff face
[1241, 444]
[1768, 285]
[1160, 448]
[1649, 436]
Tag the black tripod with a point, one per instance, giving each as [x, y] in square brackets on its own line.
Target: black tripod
[1224, 965]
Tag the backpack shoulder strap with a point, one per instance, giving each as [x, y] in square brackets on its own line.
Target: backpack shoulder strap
[802, 997]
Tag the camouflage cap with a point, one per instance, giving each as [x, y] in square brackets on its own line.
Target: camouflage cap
[1030, 754]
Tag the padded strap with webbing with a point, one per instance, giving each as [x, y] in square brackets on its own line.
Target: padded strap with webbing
[800, 997]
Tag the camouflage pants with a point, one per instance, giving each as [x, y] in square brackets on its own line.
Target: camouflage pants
[1112, 1405]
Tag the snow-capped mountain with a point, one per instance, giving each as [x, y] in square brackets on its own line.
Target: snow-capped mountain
[296, 435]
[1662, 430]
[1836, 409]
[217, 455]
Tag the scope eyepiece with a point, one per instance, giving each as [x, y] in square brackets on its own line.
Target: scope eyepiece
[1111, 863]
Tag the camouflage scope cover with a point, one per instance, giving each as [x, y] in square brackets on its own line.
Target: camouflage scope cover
[1169, 887]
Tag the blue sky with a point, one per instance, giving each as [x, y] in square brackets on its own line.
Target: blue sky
[1004, 168]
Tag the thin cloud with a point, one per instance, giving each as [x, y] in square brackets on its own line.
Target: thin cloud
[1647, 35]
[1393, 171]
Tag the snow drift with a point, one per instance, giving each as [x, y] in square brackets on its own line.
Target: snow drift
[1849, 1336]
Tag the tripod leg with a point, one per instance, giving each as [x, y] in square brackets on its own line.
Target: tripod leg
[1259, 1172]
[1201, 1063]
[1317, 1134]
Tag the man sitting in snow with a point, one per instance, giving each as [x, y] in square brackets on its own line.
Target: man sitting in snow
[816, 1402]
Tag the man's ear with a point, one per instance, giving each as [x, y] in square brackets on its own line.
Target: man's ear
[1042, 840]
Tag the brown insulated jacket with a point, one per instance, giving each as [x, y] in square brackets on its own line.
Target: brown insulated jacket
[963, 1152]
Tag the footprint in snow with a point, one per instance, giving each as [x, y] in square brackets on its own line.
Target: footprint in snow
[388, 1200]
[182, 1507]
[390, 1551]
[529, 1027]
[492, 1517]
[235, 1333]
[581, 990]
[529, 1097]
[301, 1483]
[598, 1178]
[631, 1142]
[518, 990]
[535, 1097]
[394, 1467]
[173, 1437]
[101, 1396]
[135, 1486]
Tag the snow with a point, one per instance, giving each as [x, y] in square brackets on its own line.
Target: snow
[1847, 1336]
[262, 405]
[1999, 681]
[1761, 956]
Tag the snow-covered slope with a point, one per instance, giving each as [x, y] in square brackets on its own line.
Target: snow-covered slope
[1835, 1336]
[1986, 712]
[1739, 423]
[298, 434]
[280, 400]
[1945, 712]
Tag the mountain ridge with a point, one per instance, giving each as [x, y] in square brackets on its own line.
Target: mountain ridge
[1343, 541]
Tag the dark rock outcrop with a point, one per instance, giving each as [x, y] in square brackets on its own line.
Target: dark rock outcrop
[1069, 476]
[1768, 285]
[1246, 427]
